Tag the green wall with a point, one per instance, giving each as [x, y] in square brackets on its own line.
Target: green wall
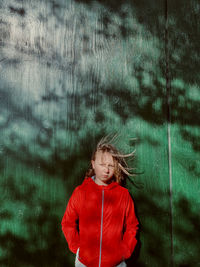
[74, 71]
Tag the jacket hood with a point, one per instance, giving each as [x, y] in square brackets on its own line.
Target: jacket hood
[90, 181]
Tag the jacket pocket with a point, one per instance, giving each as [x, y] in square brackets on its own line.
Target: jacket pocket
[77, 262]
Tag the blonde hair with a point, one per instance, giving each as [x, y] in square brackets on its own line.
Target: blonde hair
[122, 171]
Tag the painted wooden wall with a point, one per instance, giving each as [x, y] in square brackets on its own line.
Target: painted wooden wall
[74, 71]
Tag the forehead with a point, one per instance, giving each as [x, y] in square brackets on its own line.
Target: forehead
[101, 156]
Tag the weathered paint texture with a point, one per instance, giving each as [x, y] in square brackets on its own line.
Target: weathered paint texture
[74, 71]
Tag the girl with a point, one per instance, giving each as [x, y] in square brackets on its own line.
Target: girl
[99, 223]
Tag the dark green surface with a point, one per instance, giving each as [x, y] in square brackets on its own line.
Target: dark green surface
[74, 71]
[185, 133]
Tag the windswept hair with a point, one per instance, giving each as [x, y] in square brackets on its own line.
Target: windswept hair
[122, 171]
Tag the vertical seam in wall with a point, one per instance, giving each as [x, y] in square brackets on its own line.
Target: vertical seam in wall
[168, 89]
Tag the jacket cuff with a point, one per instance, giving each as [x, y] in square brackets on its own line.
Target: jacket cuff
[125, 252]
[74, 248]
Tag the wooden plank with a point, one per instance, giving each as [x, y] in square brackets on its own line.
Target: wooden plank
[185, 131]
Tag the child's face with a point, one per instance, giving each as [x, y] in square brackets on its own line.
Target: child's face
[103, 166]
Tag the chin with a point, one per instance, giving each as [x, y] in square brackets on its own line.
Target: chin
[108, 179]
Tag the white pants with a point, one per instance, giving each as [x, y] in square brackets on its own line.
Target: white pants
[79, 264]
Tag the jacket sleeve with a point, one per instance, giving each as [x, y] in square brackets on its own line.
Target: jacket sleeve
[70, 221]
[130, 229]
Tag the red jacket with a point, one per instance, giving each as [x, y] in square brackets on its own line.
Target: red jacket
[100, 220]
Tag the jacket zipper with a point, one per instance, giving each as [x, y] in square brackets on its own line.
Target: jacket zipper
[101, 228]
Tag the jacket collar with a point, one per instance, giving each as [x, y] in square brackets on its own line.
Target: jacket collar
[90, 181]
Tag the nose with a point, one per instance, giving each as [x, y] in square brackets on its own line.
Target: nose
[106, 169]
